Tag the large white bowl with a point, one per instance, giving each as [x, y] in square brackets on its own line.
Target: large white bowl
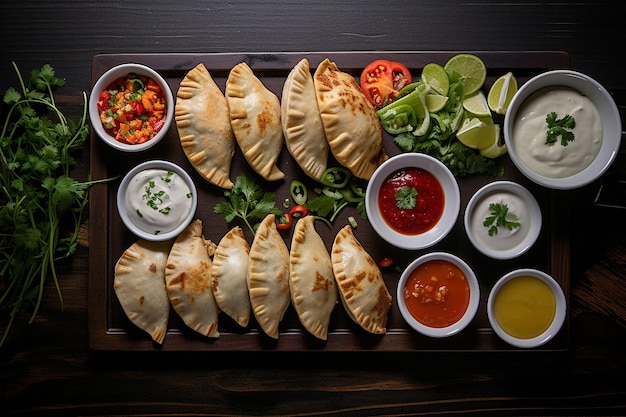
[127, 218]
[557, 321]
[451, 208]
[470, 312]
[606, 107]
[518, 240]
[103, 82]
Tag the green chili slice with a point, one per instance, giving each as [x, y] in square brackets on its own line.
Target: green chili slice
[298, 192]
[336, 177]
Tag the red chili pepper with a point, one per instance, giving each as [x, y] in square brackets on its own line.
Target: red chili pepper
[299, 211]
[385, 262]
[285, 222]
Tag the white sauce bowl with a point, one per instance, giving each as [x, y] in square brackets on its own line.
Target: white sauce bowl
[127, 218]
[604, 103]
[512, 243]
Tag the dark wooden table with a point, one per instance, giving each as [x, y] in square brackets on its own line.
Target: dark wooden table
[48, 369]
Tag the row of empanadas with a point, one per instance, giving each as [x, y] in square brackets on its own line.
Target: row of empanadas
[327, 111]
[199, 279]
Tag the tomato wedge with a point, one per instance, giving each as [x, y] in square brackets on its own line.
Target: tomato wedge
[381, 81]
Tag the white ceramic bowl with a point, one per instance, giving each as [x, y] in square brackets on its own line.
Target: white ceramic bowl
[505, 244]
[129, 217]
[104, 81]
[470, 312]
[611, 124]
[557, 321]
[451, 206]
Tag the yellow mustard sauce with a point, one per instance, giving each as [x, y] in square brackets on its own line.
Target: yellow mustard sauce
[524, 307]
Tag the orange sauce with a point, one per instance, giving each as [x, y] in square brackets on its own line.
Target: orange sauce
[437, 293]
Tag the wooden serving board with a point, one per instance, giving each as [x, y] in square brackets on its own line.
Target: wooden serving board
[110, 330]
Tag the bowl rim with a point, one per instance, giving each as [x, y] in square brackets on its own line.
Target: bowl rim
[533, 207]
[452, 204]
[156, 164]
[104, 80]
[608, 112]
[469, 314]
[559, 314]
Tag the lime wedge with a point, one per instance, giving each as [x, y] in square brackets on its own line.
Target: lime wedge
[476, 133]
[476, 104]
[501, 93]
[435, 102]
[436, 77]
[495, 149]
[469, 69]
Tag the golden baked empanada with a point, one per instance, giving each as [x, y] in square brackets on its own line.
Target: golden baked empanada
[229, 275]
[139, 284]
[268, 276]
[312, 283]
[361, 285]
[352, 127]
[204, 128]
[302, 123]
[188, 280]
[255, 118]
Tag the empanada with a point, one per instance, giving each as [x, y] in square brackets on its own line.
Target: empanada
[255, 117]
[312, 283]
[351, 125]
[361, 285]
[188, 280]
[139, 284]
[204, 128]
[229, 276]
[302, 123]
[268, 276]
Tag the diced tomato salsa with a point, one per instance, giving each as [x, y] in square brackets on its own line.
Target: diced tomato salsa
[133, 108]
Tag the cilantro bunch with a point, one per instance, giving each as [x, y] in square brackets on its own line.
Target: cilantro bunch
[41, 205]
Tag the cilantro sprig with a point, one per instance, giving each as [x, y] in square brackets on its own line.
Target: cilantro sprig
[500, 217]
[560, 127]
[406, 197]
[41, 204]
[247, 200]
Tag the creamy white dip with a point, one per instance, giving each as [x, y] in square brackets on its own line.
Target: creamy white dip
[504, 239]
[157, 200]
[530, 129]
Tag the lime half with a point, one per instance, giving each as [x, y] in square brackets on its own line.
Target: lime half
[469, 69]
[436, 77]
[501, 93]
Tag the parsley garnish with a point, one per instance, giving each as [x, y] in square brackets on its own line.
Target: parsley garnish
[246, 200]
[500, 217]
[406, 198]
[558, 127]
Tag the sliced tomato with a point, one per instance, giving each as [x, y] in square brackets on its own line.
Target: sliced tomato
[382, 80]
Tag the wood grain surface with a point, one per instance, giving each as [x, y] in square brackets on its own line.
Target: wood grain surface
[48, 369]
